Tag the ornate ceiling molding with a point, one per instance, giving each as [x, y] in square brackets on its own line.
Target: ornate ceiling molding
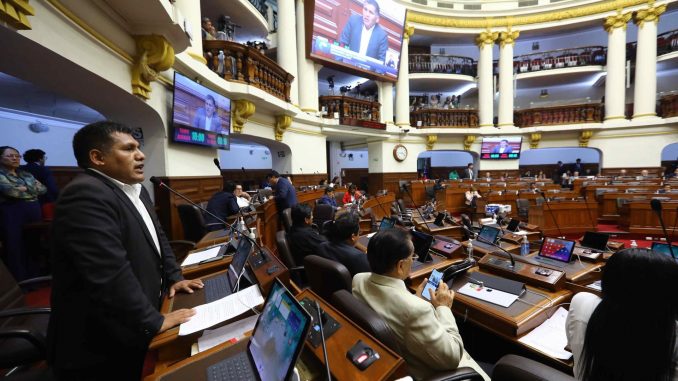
[154, 54]
[430, 141]
[241, 111]
[15, 13]
[282, 123]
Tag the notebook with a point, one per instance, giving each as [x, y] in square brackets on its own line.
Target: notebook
[277, 341]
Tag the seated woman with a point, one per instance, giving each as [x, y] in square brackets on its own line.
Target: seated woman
[472, 196]
[352, 195]
[303, 239]
[453, 175]
[343, 233]
[222, 204]
[328, 197]
[629, 334]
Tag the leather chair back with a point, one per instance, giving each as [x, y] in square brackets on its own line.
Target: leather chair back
[284, 249]
[523, 205]
[363, 315]
[287, 219]
[192, 221]
[322, 213]
[326, 276]
[11, 295]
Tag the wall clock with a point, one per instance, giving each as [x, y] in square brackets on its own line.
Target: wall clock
[400, 152]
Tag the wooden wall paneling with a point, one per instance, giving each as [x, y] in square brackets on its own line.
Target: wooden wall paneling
[64, 175]
[657, 171]
[357, 176]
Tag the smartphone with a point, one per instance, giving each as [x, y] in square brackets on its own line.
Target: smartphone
[432, 284]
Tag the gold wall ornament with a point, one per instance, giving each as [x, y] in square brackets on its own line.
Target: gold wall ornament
[617, 21]
[584, 138]
[468, 140]
[408, 31]
[430, 141]
[154, 54]
[535, 137]
[486, 38]
[506, 21]
[15, 13]
[508, 38]
[241, 111]
[651, 14]
[282, 123]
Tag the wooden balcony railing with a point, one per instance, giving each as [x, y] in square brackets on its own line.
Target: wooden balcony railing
[668, 106]
[552, 116]
[240, 63]
[352, 111]
[444, 118]
[441, 63]
[556, 59]
[667, 42]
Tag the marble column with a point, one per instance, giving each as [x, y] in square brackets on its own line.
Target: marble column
[645, 89]
[485, 42]
[402, 110]
[287, 44]
[307, 81]
[615, 89]
[386, 100]
[506, 41]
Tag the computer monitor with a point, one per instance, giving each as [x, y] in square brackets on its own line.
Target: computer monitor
[557, 249]
[596, 241]
[488, 234]
[279, 335]
[663, 248]
[238, 263]
[422, 243]
[513, 225]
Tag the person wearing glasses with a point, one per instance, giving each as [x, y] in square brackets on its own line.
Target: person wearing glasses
[343, 234]
[426, 332]
[242, 197]
[19, 206]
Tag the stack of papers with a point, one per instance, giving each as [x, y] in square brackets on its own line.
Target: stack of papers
[201, 256]
[550, 336]
[487, 294]
[221, 310]
[233, 332]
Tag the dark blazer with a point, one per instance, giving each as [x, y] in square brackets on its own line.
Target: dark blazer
[496, 148]
[199, 120]
[354, 259]
[350, 37]
[44, 175]
[325, 199]
[285, 194]
[465, 174]
[222, 204]
[304, 240]
[107, 278]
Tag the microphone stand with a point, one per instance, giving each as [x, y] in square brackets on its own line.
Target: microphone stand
[548, 206]
[413, 203]
[588, 211]
[322, 337]
[512, 265]
[657, 207]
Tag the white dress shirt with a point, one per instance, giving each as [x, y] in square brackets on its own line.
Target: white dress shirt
[365, 39]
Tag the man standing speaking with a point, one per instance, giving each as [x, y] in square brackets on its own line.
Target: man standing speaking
[364, 35]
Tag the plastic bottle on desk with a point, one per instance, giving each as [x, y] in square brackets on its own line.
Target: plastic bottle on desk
[241, 226]
[525, 246]
[470, 250]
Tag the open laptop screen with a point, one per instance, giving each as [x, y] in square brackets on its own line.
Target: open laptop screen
[238, 262]
[279, 335]
[596, 241]
[557, 249]
[488, 234]
[663, 248]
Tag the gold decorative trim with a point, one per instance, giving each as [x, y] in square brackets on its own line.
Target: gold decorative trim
[197, 57]
[430, 141]
[486, 38]
[240, 112]
[309, 110]
[534, 140]
[643, 115]
[504, 124]
[507, 21]
[468, 141]
[408, 31]
[154, 54]
[15, 13]
[305, 132]
[402, 124]
[635, 135]
[508, 38]
[584, 138]
[282, 123]
[651, 14]
[486, 125]
[614, 117]
[620, 20]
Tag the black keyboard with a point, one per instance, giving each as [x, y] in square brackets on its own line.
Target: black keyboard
[216, 288]
[234, 368]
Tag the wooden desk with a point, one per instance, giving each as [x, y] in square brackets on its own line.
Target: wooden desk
[577, 271]
[213, 238]
[447, 230]
[638, 217]
[608, 202]
[380, 205]
[479, 251]
[572, 217]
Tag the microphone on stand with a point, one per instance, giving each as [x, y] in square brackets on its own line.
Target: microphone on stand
[548, 206]
[657, 207]
[413, 203]
[328, 374]
[513, 261]
[243, 170]
[588, 211]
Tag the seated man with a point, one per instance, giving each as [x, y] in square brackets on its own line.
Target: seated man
[243, 197]
[222, 204]
[343, 233]
[303, 239]
[328, 197]
[426, 332]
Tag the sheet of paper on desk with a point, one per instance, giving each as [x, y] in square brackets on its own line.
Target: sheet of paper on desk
[487, 294]
[200, 256]
[550, 336]
[221, 310]
[235, 330]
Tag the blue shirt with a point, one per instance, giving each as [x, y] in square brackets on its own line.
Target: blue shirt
[326, 199]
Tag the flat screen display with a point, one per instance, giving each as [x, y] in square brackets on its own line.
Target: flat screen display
[364, 36]
[557, 249]
[199, 115]
[502, 147]
[488, 234]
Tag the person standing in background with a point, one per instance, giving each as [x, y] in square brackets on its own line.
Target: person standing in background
[35, 164]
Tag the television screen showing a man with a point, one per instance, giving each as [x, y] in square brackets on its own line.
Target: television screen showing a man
[502, 147]
[206, 117]
[363, 34]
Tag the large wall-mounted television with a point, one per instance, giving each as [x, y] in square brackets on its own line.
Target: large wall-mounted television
[364, 37]
[502, 147]
[199, 115]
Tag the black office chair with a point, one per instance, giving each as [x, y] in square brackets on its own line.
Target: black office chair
[326, 276]
[322, 213]
[523, 205]
[466, 221]
[370, 321]
[287, 219]
[297, 272]
[518, 368]
[193, 222]
[180, 248]
[23, 329]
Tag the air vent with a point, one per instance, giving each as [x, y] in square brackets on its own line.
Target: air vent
[446, 5]
[472, 7]
[528, 3]
[422, 2]
[555, 1]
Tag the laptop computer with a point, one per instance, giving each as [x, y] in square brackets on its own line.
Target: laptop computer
[275, 345]
[386, 223]
[663, 248]
[555, 252]
[223, 285]
[422, 244]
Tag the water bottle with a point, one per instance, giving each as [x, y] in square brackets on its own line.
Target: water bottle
[634, 244]
[241, 226]
[525, 246]
[470, 251]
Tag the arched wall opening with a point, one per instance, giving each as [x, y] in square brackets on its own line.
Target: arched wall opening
[546, 159]
[440, 163]
[251, 158]
[669, 158]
